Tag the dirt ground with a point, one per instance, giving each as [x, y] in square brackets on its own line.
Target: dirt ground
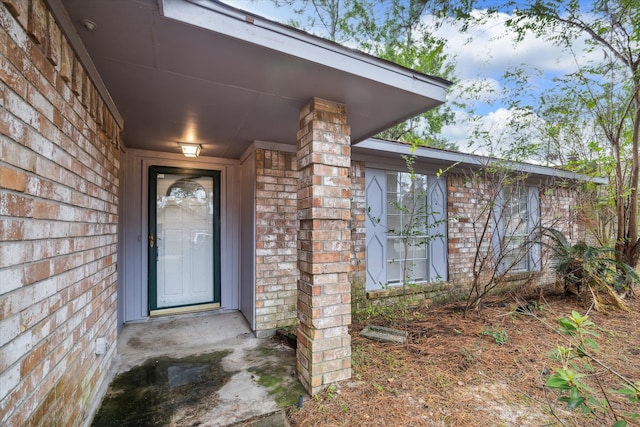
[486, 369]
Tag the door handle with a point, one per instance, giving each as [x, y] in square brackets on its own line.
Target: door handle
[152, 240]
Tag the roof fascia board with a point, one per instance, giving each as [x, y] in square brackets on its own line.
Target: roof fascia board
[263, 32]
[473, 160]
[66, 25]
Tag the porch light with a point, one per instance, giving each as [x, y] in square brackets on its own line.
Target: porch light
[190, 150]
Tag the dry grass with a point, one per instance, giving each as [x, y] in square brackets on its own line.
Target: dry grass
[453, 372]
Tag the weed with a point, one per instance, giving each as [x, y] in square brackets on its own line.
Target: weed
[528, 307]
[500, 335]
[385, 311]
[334, 395]
[597, 269]
[468, 355]
[357, 357]
[331, 392]
[440, 380]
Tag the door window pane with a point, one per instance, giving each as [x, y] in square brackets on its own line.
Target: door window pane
[184, 236]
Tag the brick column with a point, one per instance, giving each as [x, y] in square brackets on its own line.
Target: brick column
[324, 243]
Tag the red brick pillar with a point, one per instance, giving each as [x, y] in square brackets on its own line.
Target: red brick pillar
[324, 243]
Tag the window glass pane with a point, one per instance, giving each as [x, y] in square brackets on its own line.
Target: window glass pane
[419, 270]
[395, 249]
[406, 224]
[420, 251]
[394, 224]
[418, 224]
[394, 273]
[409, 211]
[392, 209]
[392, 182]
[516, 228]
[515, 225]
[516, 262]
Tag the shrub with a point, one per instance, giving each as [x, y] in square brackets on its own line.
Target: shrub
[582, 267]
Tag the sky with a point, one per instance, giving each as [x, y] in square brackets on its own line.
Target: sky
[482, 55]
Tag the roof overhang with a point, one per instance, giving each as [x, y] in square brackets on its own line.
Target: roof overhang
[444, 159]
[202, 71]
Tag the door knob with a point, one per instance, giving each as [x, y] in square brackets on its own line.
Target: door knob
[152, 240]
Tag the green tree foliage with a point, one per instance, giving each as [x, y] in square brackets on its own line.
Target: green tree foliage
[394, 30]
[590, 119]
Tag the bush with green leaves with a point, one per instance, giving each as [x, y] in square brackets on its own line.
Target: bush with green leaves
[582, 267]
[579, 364]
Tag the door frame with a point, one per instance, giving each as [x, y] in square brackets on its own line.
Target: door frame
[152, 172]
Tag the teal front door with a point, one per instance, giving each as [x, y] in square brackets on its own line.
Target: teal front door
[184, 239]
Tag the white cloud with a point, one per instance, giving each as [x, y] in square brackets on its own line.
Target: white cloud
[482, 55]
[489, 49]
[495, 131]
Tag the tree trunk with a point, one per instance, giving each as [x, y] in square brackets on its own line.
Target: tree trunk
[631, 243]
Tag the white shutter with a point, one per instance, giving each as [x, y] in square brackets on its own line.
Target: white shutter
[376, 226]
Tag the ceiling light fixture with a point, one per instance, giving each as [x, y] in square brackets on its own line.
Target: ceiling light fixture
[190, 150]
[88, 24]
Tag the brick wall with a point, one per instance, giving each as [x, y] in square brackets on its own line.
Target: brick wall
[59, 166]
[469, 200]
[560, 209]
[276, 240]
[469, 197]
[357, 277]
[468, 206]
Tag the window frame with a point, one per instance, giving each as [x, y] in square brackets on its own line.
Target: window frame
[503, 237]
[378, 241]
[402, 210]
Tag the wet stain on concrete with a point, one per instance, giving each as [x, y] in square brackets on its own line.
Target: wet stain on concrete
[134, 342]
[275, 371]
[285, 388]
[148, 395]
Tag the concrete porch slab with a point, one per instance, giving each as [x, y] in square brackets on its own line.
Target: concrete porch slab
[256, 378]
